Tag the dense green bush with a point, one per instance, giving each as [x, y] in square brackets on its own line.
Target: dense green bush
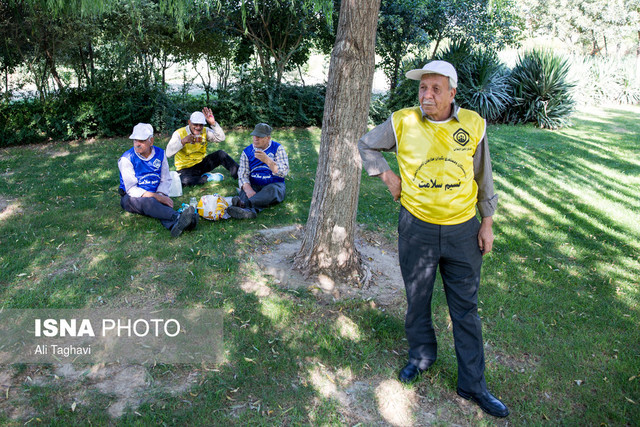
[22, 122]
[542, 92]
[112, 110]
[101, 111]
[279, 105]
[605, 80]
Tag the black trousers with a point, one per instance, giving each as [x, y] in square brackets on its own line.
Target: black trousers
[150, 207]
[193, 175]
[422, 248]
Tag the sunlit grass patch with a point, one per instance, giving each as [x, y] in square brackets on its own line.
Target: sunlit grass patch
[559, 297]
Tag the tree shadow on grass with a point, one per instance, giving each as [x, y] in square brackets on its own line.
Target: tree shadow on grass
[288, 361]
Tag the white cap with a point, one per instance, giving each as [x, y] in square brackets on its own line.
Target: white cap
[142, 131]
[197, 118]
[436, 67]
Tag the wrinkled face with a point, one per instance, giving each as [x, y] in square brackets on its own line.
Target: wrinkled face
[435, 96]
[261, 142]
[196, 129]
[143, 147]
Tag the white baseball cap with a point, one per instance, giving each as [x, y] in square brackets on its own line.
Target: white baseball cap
[142, 132]
[436, 67]
[198, 118]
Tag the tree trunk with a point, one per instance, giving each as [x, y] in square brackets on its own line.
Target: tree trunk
[92, 63]
[51, 63]
[328, 245]
[638, 57]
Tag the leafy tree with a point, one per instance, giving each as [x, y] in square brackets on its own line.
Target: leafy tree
[282, 32]
[407, 28]
[399, 34]
[12, 37]
[598, 27]
[491, 24]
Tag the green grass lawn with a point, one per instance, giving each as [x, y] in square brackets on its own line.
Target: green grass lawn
[559, 298]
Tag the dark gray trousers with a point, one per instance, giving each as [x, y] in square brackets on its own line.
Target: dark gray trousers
[423, 247]
[266, 196]
[150, 207]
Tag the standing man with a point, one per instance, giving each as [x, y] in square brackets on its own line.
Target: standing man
[263, 166]
[189, 144]
[145, 182]
[445, 173]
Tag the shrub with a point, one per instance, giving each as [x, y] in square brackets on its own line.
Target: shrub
[541, 91]
[22, 121]
[482, 81]
[113, 108]
[246, 104]
[483, 84]
[605, 80]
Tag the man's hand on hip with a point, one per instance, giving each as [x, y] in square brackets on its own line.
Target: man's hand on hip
[393, 182]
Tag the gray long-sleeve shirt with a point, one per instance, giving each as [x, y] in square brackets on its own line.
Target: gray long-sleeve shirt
[382, 138]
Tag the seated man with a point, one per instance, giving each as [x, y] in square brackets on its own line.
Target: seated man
[189, 144]
[145, 182]
[263, 166]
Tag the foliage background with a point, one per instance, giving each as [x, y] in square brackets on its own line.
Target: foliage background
[98, 68]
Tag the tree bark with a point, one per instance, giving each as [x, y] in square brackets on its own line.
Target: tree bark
[328, 246]
[92, 63]
[638, 57]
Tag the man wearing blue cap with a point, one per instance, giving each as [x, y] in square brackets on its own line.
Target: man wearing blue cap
[445, 174]
[145, 183]
[189, 145]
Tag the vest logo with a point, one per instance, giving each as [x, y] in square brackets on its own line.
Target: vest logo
[461, 136]
[157, 163]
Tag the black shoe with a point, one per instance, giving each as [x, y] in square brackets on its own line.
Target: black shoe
[194, 221]
[235, 201]
[487, 402]
[240, 213]
[184, 220]
[410, 373]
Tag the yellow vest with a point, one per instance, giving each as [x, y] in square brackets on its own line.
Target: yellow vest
[190, 154]
[436, 165]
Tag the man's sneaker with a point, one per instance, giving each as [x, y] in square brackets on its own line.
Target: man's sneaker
[240, 213]
[184, 220]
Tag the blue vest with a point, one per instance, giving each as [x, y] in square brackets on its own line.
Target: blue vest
[260, 174]
[147, 171]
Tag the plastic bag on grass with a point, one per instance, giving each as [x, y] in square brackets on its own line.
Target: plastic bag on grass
[213, 207]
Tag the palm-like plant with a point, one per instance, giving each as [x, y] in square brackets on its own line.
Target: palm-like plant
[483, 84]
[542, 92]
[482, 80]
